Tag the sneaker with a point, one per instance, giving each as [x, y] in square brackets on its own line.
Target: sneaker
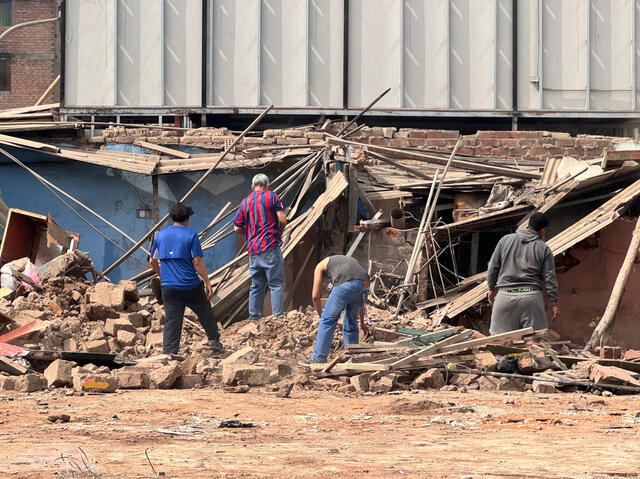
[216, 345]
[309, 362]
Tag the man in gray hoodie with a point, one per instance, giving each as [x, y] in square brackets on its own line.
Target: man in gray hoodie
[521, 267]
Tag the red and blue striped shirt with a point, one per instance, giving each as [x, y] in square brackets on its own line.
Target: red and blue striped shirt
[257, 215]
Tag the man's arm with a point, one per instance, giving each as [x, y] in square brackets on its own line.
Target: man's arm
[155, 265]
[316, 292]
[551, 282]
[239, 220]
[282, 220]
[493, 270]
[201, 269]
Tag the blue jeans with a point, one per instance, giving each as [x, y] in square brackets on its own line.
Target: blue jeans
[347, 297]
[266, 269]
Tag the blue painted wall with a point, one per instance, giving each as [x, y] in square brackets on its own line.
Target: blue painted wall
[117, 195]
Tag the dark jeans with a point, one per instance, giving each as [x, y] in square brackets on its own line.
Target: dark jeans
[175, 300]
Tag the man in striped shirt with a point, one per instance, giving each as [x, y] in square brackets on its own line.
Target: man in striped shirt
[261, 219]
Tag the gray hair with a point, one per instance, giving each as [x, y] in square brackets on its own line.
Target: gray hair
[260, 180]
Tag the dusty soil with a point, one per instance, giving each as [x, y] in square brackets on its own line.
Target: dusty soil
[320, 435]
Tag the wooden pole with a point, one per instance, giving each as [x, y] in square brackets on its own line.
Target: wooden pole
[618, 290]
[49, 89]
[188, 194]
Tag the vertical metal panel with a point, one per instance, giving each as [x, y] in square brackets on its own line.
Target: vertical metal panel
[326, 20]
[182, 52]
[283, 52]
[235, 47]
[90, 53]
[425, 54]
[139, 65]
[472, 60]
[504, 55]
[611, 34]
[564, 65]
[374, 52]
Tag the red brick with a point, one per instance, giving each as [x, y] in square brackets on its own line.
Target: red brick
[508, 142]
[398, 142]
[416, 141]
[488, 142]
[527, 134]
[433, 142]
[567, 142]
[417, 134]
[443, 134]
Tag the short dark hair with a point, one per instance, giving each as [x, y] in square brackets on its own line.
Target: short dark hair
[538, 221]
[180, 212]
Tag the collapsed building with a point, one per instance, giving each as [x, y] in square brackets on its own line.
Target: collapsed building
[421, 209]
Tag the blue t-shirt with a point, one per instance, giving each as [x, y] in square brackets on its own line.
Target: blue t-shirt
[175, 247]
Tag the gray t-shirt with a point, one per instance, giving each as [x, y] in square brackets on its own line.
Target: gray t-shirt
[341, 269]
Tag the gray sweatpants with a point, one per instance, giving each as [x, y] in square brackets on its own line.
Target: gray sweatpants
[513, 311]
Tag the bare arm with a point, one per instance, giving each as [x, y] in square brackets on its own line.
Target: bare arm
[239, 230]
[282, 220]
[155, 265]
[316, 292]
[201, 269]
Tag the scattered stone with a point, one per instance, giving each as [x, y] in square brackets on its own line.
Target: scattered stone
[544, 387]
[165, 377]
[285, 391]
[108, 295]
[98, 346]
[113, 325]
[57, 418]
[245, 355]
[234, 374]
[130, 290]
[611, 375]
[360, 382]
[249, 329]
[7, 383]
[347, 388]
[236, 389]
[534, 361]
[126, 338]
[129, 377]
[91, 382]
[29, 383]
[430, 379]
[59, 373]
[485, 360]
[154, 340]
[189, 381]
[383, 385]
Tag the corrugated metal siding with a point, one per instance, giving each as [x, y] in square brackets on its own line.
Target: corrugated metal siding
[456, 55]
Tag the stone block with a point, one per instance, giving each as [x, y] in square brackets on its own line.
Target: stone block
[361, 382]
[113, 325]
[189, 381]
[165, 377]
[388, 132]
[7, 383]
[108, 295]
[544, 387]
[430, 379]
[132, 378]
[485, 360]
[130, 290]
[533, 362]
[249, 329]
[383, 385]
[97, 333]
[94, 382]
[58, 373]
[233, 374]
[98, 312]
[29, 383]
[246, 355]
[98, 346]
[154, 340]
[190, 363]
[139, 319]
[126, 338]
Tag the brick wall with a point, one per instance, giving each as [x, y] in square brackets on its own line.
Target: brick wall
[521, 145]
[33, 53]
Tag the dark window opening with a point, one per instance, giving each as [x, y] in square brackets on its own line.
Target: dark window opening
[5, 73]
[5, 13]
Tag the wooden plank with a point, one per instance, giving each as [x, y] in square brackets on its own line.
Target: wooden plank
[30, 327]
[432, 337]
[11, 367]
[434, 348]
[474, 343]
[163, 149]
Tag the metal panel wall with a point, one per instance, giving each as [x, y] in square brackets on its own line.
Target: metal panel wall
[90, 52]
[442, 55]
[133, 53]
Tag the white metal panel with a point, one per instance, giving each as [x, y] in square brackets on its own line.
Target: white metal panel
[504, 55]
[90, 47]
[283, 54]
[234, 39]
[611, 35]
[528, 93]
[140, 53]
[326, 40]
[564, 59]
[183, 52]
[425, 54]
[375, 52]
[472, 54]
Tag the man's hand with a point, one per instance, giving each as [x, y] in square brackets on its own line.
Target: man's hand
[555, 311]
[208, 289]
[491, 296]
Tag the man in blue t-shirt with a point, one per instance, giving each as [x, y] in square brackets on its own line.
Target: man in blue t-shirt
[176, 257]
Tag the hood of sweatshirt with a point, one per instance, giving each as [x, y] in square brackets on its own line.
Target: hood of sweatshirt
[527, 235]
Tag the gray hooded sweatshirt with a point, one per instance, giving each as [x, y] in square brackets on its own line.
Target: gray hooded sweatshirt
[523, 260]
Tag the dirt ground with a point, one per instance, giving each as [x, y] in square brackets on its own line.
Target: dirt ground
[319, 435]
